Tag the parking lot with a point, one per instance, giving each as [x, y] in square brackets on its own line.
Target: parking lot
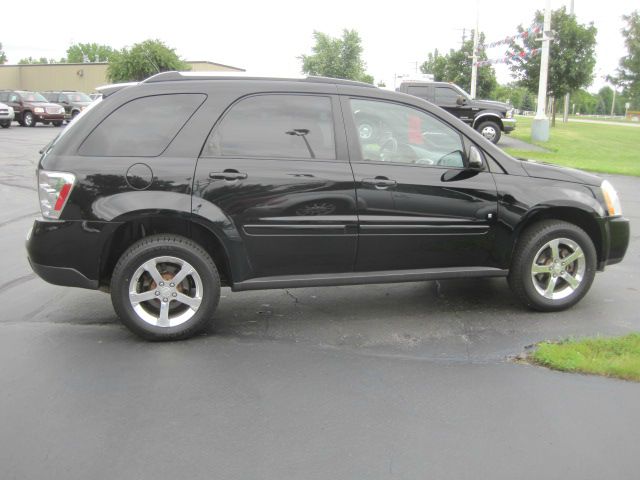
[378, 381]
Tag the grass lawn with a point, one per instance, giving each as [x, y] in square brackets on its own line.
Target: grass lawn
[612, 357]
[599, 148]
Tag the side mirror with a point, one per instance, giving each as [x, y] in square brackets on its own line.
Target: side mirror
[461, 100]
[475, 158]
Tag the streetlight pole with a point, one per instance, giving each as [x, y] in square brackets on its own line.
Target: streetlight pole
[540, 126]
[474, 56]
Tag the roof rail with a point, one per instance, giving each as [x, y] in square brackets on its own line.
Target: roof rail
[222, 75]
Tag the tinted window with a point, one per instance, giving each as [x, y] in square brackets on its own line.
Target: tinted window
[4, 96]
[143, 127]
[390, 132]
[446, 96]
[282, 126]
[421, 91]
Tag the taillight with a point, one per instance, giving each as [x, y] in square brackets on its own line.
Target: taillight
[54, 189]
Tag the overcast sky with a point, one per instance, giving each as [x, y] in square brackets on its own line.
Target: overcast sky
[267, 37]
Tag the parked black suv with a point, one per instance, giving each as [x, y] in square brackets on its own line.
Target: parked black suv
[488, 117]
[169, 189]
[72, 101]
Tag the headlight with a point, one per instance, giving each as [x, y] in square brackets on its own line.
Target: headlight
[38, 110]
[611, 199]
[11, 112]
[61, 110]
[509, 114]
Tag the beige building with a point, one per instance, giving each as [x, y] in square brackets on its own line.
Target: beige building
[84, 77]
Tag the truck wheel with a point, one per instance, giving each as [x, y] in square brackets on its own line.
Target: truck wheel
[553, 266]
[489, 130]
[6, 125]
[165, 287]
[28, 120]
[57, 123]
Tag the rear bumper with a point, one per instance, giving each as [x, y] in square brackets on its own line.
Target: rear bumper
[68, 253]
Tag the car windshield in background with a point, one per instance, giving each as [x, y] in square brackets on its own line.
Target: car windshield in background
[32, 97]
[78, 97]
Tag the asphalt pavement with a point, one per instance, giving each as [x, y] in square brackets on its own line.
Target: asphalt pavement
[402, 381]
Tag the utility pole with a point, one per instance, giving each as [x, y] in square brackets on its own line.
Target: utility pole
[565, 116]
[540, 126]
[474, 57]
[613, 102]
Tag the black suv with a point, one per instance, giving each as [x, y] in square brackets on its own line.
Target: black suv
[486, 116]
[165, 191]
[72, 101]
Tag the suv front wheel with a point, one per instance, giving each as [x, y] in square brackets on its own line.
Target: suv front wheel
[165, 287]
[553, 266]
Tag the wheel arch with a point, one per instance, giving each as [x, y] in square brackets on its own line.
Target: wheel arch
[141, 224]
[484, 116]
[581, 217]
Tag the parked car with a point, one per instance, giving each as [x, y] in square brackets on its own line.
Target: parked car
[488, 117]
[31, 108]
[6, 115]
[72, 101]
[166, 190]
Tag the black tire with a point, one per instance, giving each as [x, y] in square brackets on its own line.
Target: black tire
[57, 123]
[489, 130]
[130, 266]
[28, 120]
[533, 246]
[6, 125]
[74, 114]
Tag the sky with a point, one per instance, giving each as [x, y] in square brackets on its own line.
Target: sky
[268, 37]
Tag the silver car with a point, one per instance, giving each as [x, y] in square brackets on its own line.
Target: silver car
[6, 115]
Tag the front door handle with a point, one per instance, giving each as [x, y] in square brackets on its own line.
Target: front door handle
[380, 183]
[228, 175]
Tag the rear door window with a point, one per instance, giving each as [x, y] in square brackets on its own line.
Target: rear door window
[143, 127]
[446, 96]
[276, 126]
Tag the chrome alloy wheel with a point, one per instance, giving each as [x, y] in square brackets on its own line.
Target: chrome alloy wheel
[489, 132]
[165, 291]
[558, 268]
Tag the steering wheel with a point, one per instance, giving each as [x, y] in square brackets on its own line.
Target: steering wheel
[389, 146]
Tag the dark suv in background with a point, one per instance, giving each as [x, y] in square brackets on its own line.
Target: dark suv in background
[73, 102]
[165, 191]
[31, 108]
[488, 117]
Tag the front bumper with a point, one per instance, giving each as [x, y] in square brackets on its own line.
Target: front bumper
[69, 253]
[49, 117]
[508, 124]
[617, 234]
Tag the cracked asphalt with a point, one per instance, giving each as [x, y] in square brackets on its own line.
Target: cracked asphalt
[402, 381]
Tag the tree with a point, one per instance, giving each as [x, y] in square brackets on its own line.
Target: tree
[455, 67]
[3, 56]
[143, 60]
[629, 69]
[336, 57]
[31, 60]
[571, 56]
[516, 95]
[94, 53]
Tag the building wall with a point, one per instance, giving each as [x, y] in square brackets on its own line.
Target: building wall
[84, 77]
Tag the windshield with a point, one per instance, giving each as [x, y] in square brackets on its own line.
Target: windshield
[78, 97]
[32, 97]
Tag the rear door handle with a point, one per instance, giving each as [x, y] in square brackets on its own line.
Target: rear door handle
[379, 182]
[227, 175]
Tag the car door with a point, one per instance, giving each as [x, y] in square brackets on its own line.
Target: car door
[447, 98]
[277, 166]
[419, 206]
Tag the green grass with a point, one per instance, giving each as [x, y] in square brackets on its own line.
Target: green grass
[611, 357]
[599, 148]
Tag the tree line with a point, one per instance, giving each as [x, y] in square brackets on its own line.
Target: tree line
[571, 65]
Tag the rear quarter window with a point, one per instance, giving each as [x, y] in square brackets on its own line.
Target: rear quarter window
[143, 127]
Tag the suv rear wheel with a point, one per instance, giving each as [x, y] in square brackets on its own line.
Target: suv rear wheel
[165, 287]
[489, 130]
[553, 266]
